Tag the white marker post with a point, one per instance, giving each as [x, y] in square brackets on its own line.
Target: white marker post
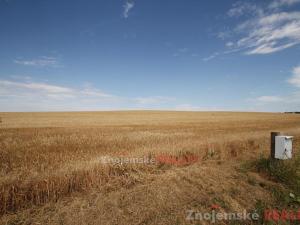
[281, 146]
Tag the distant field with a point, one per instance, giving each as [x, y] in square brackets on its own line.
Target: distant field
[50, 167]
[140, 118]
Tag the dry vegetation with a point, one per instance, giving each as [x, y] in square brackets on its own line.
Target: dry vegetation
[51, 172]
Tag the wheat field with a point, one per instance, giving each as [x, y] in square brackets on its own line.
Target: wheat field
[51, 170]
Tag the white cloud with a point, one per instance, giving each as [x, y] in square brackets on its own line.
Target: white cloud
[43, 61]
[281, 3]
[295, 79]
[189, 107]
[46, 88]
[269, 48]
[17, 77]
[216, 54]
[224, 35]
[10, 88]
[268, 99]
[265, 30]
[95, 93]
[26, 95]
[153, 100]
[229, 44]
[212, 56]
[284, 103]
[35, 96]
[272, 33]
[278, 18]
[181, 52]
[288, 102]
[243, 8]
[127, 7]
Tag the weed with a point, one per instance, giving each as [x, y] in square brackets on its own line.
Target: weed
[286, 172]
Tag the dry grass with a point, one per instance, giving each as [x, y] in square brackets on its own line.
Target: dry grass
[49, 158]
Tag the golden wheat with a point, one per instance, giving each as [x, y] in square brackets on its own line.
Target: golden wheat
[46, 156]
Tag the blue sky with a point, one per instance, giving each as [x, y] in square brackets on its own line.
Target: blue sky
[64, 55]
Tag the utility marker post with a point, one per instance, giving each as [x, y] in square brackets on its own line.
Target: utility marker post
[273, 136]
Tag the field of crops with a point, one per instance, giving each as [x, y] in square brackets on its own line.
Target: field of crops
[51, 170]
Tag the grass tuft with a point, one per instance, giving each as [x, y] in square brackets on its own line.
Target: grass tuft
[285, 172]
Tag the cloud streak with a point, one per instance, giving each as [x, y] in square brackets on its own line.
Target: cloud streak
[269, 99]
[263, 30]
[27, 95]
[43, 61]
[127, 7]
[153, 100]
[281, 3]
[295, 79]
[244, 8]
[288, 102]
[47, 90]
[271, 33]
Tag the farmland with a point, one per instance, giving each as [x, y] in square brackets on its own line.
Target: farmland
[51, 170]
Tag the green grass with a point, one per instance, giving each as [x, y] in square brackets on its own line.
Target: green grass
[285, 172]
[287, 194]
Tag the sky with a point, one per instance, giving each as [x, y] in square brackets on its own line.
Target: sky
[79, 55]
